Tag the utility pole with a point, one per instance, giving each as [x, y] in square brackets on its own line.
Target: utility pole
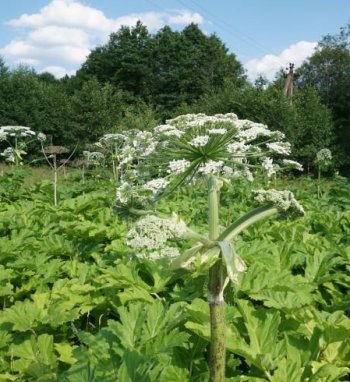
[288, 85]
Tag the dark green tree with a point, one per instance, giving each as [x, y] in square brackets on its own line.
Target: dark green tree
[125, 61]
[97, 109]
[39, 102]
[328, 70]
[21, 95]
[166, 69]
[3, 67]
[314, 128]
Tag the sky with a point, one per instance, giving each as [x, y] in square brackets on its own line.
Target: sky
[265, 35]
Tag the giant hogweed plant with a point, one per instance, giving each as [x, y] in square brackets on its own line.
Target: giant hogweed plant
[17, 139]
[211, 150]
[125, 150]
[323, 161]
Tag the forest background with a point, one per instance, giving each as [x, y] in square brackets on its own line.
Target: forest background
[138, 79]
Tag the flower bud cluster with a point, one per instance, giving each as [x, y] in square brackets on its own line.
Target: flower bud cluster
[151, 236]
[283, 200]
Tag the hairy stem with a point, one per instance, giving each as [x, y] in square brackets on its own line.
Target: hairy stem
[215, 292]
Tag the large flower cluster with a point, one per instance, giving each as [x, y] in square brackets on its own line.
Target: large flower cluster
[195, 146]
[199, 145]
[190, 148]
[16, 131]
[152, 236]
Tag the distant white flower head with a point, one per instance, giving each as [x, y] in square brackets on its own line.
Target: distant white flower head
[41, 137]
[112, 139]
[94, 157]
[324, 156]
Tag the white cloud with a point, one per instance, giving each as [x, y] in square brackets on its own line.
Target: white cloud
[19, 51]
[61, 35]
[270, 64]
[54, 35]
[185, 17]
[57, 71]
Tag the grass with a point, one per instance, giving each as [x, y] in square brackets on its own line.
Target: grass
[39, 173]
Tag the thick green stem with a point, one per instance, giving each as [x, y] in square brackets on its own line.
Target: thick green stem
[55, 181]
[216, 292]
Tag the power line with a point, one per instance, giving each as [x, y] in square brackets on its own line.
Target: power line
[232, 30]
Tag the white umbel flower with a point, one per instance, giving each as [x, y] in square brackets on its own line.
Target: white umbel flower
[283, 200]
[293, 164]
[199, 141]
[17, 131]
[155, 185]
[211, 167]
[165, 252]
[324, 155]
[178, 166]
[217, 131]
[152, 232]
[268, 166]
[41, 137]
[283, 148]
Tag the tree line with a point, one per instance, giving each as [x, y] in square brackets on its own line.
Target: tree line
[138, 79]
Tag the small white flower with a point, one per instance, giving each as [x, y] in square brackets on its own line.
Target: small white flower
[268, 166]
[217, 131]
[127, 154]
[210, 167]
[156, 185]
[293, 164]
[178, 166]
[124, 192]
[165, 252]
[238, 148]
[199, 141]
[280, 147]
[254, 131]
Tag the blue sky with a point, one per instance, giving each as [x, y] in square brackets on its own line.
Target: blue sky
[57, 35]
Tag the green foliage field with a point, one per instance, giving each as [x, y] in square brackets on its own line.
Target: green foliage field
[77, 305]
